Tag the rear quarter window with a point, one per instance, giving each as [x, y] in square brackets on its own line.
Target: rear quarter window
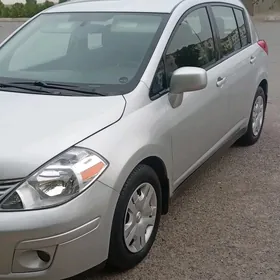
[244, 36]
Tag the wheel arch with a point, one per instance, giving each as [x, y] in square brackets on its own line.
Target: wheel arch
[126, 160]
[264, 85]
[159, 167]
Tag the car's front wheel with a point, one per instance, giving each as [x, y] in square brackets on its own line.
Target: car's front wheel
[136, 219]
[256, 121]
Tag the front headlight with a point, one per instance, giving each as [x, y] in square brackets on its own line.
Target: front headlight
[58, 181]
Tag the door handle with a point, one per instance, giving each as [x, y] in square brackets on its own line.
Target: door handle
[252, 59]
[221, 81]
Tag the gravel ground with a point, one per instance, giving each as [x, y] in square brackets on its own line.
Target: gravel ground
[226, 223]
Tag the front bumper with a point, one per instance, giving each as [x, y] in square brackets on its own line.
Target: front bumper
[75, 235]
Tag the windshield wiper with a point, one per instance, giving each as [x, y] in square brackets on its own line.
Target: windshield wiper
[83, 90]
[13, 85]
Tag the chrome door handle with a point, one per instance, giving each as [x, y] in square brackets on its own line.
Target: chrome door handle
[252, 59]
[221, 81]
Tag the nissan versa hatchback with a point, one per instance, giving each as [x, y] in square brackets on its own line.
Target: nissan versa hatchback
[106, 107]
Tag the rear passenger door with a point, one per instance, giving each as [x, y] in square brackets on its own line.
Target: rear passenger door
[237, 60]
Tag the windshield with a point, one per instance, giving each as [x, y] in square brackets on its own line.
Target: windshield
[105, 51]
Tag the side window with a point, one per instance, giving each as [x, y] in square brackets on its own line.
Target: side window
[227, 28]
[159, 82]
[192, 44]
[242, 27]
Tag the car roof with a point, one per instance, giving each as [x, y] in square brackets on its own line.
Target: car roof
[149, 6]
[140, 6]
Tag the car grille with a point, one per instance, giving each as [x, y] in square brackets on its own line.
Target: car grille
[6, 185]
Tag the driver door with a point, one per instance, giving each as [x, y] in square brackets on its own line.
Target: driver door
[200, 122]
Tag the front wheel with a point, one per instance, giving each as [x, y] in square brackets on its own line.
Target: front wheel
[136, 219]
[256, 121]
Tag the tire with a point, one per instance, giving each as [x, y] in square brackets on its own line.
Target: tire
[250, 137]
[122, 256]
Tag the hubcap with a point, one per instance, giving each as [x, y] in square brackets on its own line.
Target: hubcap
[258, 116]
[140, 217]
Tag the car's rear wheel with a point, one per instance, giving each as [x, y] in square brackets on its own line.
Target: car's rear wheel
[136, 219]
[256, 121]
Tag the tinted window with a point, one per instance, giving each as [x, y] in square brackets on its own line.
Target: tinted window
[242, 27]
[103, 50]
[228, 31]
[192, 44]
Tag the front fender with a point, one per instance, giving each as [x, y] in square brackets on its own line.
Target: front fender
[124, 151]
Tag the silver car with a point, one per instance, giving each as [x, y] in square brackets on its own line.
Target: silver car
[106, 107]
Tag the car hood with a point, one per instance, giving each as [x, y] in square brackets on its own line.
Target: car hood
[35, 128]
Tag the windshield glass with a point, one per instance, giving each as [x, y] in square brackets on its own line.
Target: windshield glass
[105, 51]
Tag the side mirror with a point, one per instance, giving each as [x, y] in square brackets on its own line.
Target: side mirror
[187, 79]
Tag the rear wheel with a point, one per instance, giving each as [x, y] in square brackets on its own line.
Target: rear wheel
[256, 121]
[136, 219]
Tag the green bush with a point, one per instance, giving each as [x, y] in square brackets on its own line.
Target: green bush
[19, 10]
